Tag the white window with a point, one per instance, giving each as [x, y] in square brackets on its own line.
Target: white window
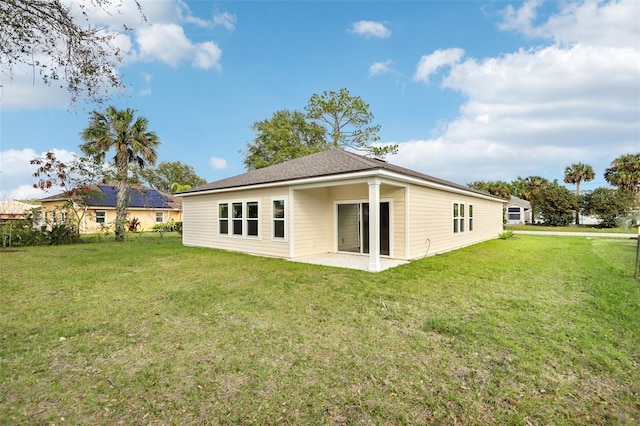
[236, 215]
[240, 219]
[63, 217]
[278, 219]
[513, 213]
[159, 217]
[252, 218]
[470, 217]
[458, 218]
[101, 217]
[223, 218]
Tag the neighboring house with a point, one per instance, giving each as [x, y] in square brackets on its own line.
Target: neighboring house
[518, 211]
[338, 202]
[16, 210]
[148, 205]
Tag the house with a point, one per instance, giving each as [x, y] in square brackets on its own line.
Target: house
[518, 211]
[16, 210]
[149, 206]
[338, 202]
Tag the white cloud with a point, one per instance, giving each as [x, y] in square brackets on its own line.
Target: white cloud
[370, 29]
[218, 163]
[594, 22]
[381, 67]
[15, 170]
[225, 19]
[536, 111]
[207, 56]
[165, 42]
[169, 44]
[429, 64]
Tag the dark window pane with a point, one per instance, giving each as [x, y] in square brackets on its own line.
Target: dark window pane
[237, 210]
[278, 209]
[470, 225]
[252, 210]
[237, 227]
[223, 211]
[224, 227]
[455, 226]
[278, 228]
[252, 227]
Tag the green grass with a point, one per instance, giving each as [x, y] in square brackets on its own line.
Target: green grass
[572, 228]
[530, 330]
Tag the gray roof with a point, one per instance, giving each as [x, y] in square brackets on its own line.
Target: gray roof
[515, 201]
[322, 164]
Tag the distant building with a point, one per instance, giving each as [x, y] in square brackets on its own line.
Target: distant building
[15, 210]
[149, 206]
[518, 211]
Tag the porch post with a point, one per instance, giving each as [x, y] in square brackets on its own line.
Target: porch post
[374, 225]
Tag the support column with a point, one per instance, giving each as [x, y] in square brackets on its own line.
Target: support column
[374, 225]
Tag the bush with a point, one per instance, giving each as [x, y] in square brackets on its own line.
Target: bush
[168, 227]
[21, 233]
[505, 235]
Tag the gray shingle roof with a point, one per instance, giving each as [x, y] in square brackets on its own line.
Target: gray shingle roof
[325, 163]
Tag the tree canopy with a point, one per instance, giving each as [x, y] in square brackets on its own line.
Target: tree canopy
[60, 44]
[348, 122]
[624, 174]
[332, 120]
[171, 176]
[556, 204]
[607, 205]
[498, 188]
[285, 136]
[122, 132]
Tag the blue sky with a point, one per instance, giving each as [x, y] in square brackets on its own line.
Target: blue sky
[470, 90]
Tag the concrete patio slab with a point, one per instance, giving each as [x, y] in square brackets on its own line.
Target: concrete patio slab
[349, 261]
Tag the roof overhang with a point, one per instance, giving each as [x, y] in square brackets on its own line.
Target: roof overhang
[386, 176]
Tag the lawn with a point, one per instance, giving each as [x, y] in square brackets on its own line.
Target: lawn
[574, 228]
[525, 331]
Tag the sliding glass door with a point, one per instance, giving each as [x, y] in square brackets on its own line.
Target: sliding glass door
[353, 228]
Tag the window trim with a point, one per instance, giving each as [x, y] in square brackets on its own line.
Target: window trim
[221, 219]
[457, 212]
[102, 213]
[470, 217]
[283, 219]
[242, 221]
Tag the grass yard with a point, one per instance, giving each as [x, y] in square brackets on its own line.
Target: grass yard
[573, 228]
[534, 330]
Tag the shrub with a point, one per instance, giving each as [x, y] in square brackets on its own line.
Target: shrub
[168, 227]
[505, 235]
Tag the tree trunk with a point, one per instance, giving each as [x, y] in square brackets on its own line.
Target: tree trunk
[121, 191]
[578, 200]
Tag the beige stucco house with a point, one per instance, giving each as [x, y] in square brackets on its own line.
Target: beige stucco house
[97, 213]
[338, 202]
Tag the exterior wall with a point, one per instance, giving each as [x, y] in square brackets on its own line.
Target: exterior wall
[312, 222]
[201, 222]
[523, 216]
[88, 224]
[421, 220]
[431, 221]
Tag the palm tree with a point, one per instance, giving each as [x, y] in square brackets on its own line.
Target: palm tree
[575, 174]
[625, 174]
[131, 142]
